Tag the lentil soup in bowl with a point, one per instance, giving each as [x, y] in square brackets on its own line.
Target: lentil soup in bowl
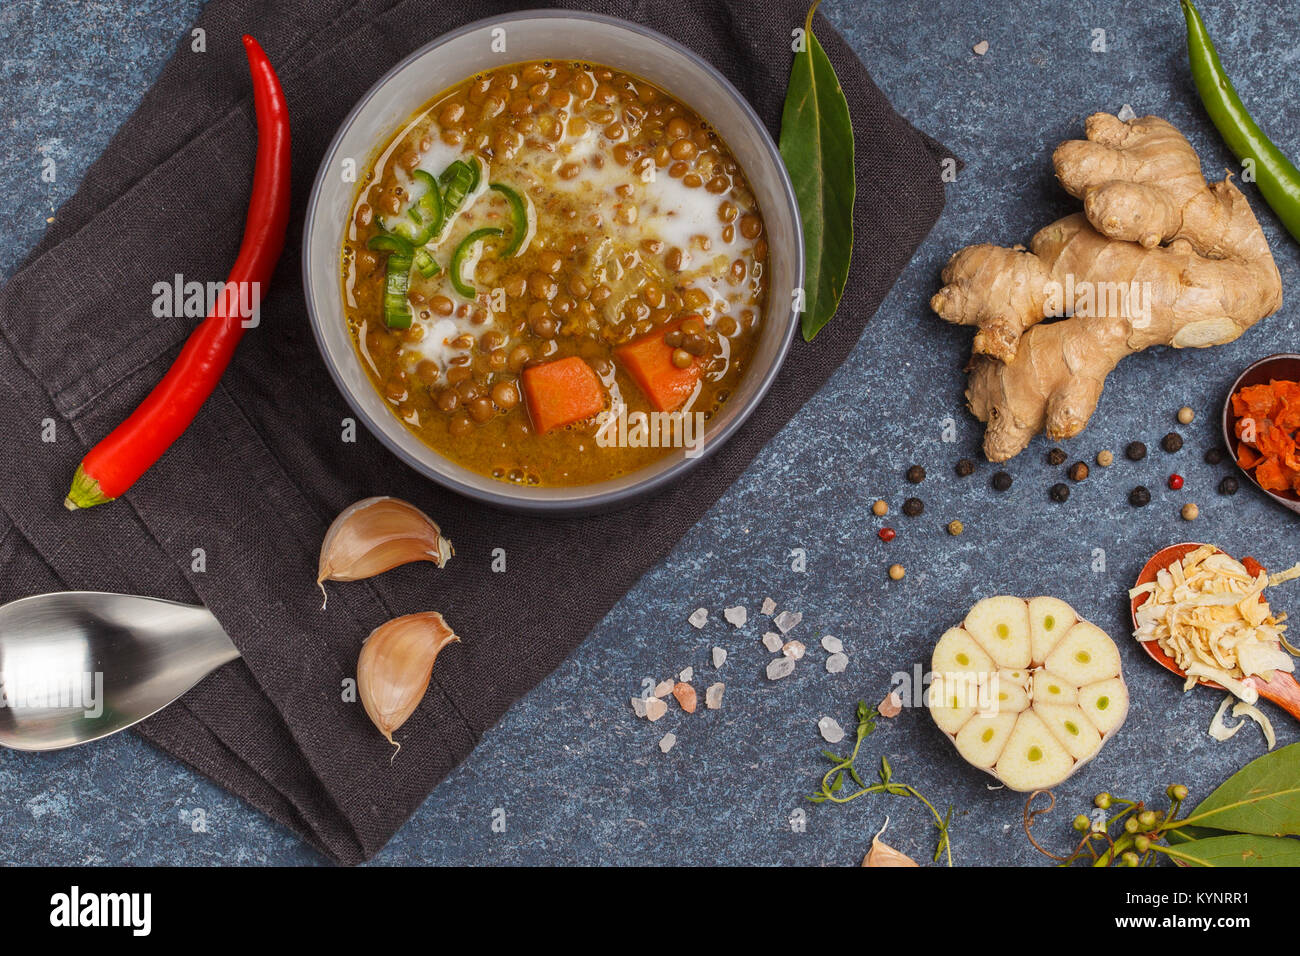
[552, 282]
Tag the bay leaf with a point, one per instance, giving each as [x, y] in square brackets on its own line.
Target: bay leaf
[1188, 834]
[1238, 849]
[817, 147]
[1262, 797]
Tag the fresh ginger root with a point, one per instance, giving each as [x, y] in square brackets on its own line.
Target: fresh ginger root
[1164, 257]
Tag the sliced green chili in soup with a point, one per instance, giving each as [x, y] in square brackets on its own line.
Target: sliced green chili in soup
[545, 244]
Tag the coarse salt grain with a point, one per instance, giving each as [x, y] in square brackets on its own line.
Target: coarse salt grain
[713, 696]
[832, 645]
[737, 615]
[831, 730]
[794, 649]
[772, 641]
[780, 667]
[664, 688]
[699, 617]
[667, 743]
[769, 606]
[891, 706]
[654, 709]
[719, 656]
[787, 620]
[686, 675]
[836, 663]
[639, 706]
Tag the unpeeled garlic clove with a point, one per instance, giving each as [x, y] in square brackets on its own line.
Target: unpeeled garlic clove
[395, 665]
[882, 854]
[375, 535]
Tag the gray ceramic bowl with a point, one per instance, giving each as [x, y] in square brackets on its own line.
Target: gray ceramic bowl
[537, 35]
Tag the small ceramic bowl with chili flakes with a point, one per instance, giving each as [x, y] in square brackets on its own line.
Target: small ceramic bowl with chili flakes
[553, 280]
[1283, 368]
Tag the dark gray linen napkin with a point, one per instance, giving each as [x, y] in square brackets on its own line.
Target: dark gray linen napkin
[261, 473]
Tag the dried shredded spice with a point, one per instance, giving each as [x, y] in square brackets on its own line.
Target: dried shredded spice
[1268, 426]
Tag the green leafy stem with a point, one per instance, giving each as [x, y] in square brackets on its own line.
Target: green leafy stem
[832, 783]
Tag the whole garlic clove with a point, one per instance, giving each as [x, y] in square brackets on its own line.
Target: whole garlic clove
[375, 535]
[882, 854]
[395, 666]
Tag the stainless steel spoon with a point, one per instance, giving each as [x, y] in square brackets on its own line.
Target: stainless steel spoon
[76, 666]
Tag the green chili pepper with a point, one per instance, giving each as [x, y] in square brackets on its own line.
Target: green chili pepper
[397, 309]
[406, 227]
[520, 224]
[429, 205]
[1276, 175]
[387, 242]
[423, 219]
[425, 264]
[458, 181]
[458, 258]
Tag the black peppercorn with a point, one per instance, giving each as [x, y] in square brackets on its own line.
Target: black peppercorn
[1135, 451]
[1056, 456]
[1214, 456]
[1001, 481]
[1139, 497]
[1229, 486]
[1078, 471]
[1172, 442]
[913, 507]
[916, 474]
[965, 467]
[1060, 492]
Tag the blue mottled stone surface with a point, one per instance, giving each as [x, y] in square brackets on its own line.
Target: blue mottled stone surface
[579, 778]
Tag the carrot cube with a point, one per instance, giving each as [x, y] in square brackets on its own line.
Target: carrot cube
[561, 392]
[649, 360]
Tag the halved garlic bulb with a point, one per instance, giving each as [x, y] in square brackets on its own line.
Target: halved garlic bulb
[1026, 690]
[375, 535]
[395, 666]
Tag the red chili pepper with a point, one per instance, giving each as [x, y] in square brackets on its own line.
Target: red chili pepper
[113, 466]
[1175, 482]
[887, 534]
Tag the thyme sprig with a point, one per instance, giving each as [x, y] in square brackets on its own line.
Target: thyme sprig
[832, 782]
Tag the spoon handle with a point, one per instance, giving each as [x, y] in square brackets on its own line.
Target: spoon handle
[1283, 691]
